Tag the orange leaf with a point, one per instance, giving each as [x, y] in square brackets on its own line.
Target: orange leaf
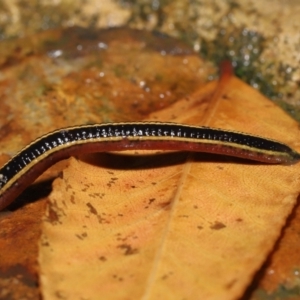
[174, 225]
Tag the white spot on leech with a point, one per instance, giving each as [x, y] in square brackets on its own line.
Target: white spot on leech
[104, 134]
[110, 134]
[48, 145]
[134, 132]
[3, 179]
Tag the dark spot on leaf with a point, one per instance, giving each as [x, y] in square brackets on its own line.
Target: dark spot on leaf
[151, 200]
[217, 225]
[72, 199]
[81, 236]
[117, 277]
[166, 276]
[183, 216]
[53, 215]
[128, 250]
[92, 209]
[165, 204]
[68, 187]
[231, 284]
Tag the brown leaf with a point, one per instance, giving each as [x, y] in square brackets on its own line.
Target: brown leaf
[47, 82]
[172, 226]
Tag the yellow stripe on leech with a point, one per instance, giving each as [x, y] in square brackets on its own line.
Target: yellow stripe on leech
[210, 142]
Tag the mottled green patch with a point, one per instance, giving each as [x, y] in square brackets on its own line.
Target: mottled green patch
[244, 48]
[36, 15]
[221, 39]
[281, 293]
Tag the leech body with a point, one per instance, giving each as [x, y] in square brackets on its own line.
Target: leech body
[34, 159]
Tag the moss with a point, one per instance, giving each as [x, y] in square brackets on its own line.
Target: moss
[282, 293]
[218, 38]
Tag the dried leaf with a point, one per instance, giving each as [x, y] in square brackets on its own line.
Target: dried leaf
[48, 82]
[171, 226]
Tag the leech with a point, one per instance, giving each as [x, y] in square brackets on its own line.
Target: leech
[19, 172]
